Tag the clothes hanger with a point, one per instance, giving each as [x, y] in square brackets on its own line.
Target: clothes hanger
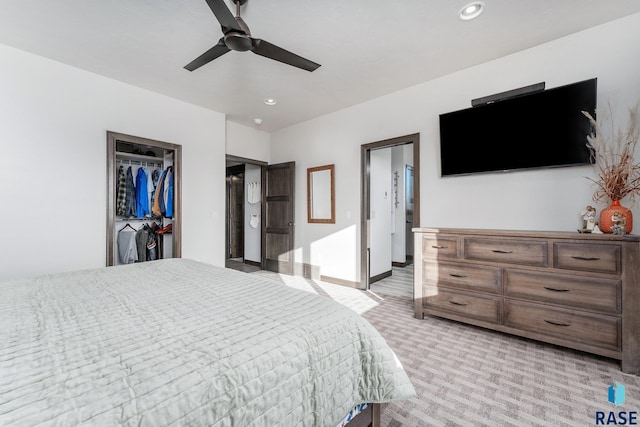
[128, 225]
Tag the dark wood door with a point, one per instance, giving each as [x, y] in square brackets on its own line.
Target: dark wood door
[236, 216]
[279, 220]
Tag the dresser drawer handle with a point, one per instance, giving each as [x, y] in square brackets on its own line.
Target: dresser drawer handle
[551, 322]
[586, 258]
[439, 247]
[457, 303]
[457, 275]
[556, 289]
[499, 251]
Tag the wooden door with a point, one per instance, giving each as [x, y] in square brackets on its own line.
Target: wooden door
[279, 219]
[236, 216]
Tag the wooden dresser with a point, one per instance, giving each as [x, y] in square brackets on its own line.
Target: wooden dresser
[575, 290]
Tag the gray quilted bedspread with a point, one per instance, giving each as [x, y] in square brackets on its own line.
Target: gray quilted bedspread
[183, 343]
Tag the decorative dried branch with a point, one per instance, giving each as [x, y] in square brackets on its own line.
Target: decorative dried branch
[613, 157]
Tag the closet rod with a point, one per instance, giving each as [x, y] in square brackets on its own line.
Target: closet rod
[138, 219]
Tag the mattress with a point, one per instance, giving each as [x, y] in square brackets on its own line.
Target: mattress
[178, 342]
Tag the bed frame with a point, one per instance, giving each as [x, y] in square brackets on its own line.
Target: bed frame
[370, 417]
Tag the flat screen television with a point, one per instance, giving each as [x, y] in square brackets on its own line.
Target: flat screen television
[544, 129]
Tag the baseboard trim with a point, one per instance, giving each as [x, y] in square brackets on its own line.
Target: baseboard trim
[342, 282]
[306, 270]
[380, 276]
[408, 261]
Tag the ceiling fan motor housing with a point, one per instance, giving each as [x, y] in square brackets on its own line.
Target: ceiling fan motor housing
[237, 41]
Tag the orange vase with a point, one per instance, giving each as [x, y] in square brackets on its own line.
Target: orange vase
[607, 217]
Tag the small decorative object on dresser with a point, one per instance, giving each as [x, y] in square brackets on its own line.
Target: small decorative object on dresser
[618, 172]
[616, 219]
[588, 220]
[575, 290]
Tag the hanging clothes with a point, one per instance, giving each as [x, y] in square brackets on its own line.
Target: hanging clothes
[130, 208]
[150, 189]
[155, 175]
[157, 196]
[127, 249]
[169, 211]
[121, 192]
[141, 242]
[152, 243]
[142, 196]
[165, 190]
[168, 193]
[254, 192]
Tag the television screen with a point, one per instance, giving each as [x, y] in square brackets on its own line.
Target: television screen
[537, 130]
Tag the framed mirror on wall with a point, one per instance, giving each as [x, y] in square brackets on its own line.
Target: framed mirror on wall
[321, 207]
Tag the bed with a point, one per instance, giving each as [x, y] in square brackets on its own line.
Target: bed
[183, 343]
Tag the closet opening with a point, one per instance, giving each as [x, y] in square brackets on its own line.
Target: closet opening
[144, 214]
[390, 209]
[243, 214]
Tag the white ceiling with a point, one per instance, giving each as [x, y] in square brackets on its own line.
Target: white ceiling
[367, 48]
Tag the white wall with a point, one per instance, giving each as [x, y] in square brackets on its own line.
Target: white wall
[380, 200]
[53, 124]
[530, 200]
[250, 143]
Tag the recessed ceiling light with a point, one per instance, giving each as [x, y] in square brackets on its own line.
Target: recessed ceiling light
[257, 121]
[270, 101]
[472, 10]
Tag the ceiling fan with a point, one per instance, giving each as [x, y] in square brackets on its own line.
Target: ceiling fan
[238, 37]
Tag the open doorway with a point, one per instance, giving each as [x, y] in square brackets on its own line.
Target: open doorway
[390, 205]
[260, 215]
[243, 231]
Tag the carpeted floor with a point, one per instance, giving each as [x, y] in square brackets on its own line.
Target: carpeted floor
[469, 376]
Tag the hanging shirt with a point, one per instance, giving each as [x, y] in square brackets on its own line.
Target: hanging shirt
[121, 192]
[254, 192]
[169, 201]
[127, 249]
[142, 196]
[141, 242]
[152, 245]
[130, 207]
[165, 189]
[157, 196]
[150, 188]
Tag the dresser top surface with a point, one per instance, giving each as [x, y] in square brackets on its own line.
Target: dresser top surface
[530, 234]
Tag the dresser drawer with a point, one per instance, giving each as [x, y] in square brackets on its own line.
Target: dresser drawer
[575, 291]
[439, 246]
[597, 330]
[464, 276]
[605, 258]
[510, 251]
[473, 306]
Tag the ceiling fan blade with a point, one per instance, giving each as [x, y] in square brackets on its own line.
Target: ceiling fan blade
[266, 49]
[224, 16]
[216, 51]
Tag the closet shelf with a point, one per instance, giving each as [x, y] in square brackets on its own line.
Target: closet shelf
[120, 155]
